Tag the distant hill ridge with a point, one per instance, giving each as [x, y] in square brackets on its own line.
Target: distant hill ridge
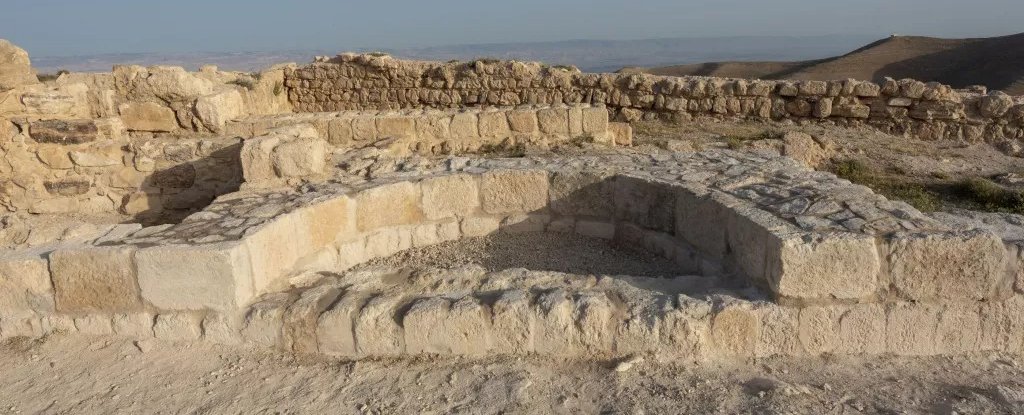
[996, 62]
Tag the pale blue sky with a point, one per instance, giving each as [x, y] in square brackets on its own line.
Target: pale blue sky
[73, 27]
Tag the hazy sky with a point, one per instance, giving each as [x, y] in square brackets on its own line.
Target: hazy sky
[72, 27]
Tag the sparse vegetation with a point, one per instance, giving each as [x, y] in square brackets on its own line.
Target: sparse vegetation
[988, 195]
[49, 77]
[891, 186]
[245, 82]
[278, 88]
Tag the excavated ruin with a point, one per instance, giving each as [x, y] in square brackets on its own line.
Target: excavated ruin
[301, 231]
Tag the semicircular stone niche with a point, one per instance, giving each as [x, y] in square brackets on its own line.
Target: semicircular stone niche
[848, 271]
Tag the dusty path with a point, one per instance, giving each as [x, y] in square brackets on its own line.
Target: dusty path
[108, 375]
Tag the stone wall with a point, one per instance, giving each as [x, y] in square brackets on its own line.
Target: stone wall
[146, 142]
[846, 271]
[928, 111]
[93, 167]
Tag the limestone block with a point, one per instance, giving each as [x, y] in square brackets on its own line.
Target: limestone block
[698, 218]
[475, 226]
[685, 329]
[461, 328]
[171, 83]
[300, 157]
[842, 266]
[523, 121]
[148, 116]
[432, 128]
[514, 191]
[621, 133]
[464, 126]
[102, 156]
[553, 121]
[336, 326]
[389, 205]
[177, 327]
[779, 331]
[216, 109]
[959, 329]
[1001, 325]
[523, 223]
[325, 222]
[735, 329]
[749, 231]
[54, 156]
[995, 104]
[25, 284]
[56, 324]
[583, 193]
[257, 164]
[376, 331]
[862, 330]
[910, 329]
[575, 121]
[21, 326]
[221, 328]
[95, 279]
[63, 131]
[645, 203]
[595, 122]
[424, 327]
[339, 132]
[300, 320]
[555, 331]
[264, 322]
[387, 241]
[351, 253]
[94, 325]
[270, 259]
[396, 127]
[964, 265]
[512, 323]
[15, 67]
[138, 325]
[594, 317]
[364, 129]
[595, 229]
[819, 328]
[494, 124]
[562, 225]
[183, 277]
[450, 196]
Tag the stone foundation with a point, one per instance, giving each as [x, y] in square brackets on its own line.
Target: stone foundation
[844, 271]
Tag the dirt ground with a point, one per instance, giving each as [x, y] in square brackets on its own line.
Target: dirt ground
[109, 375]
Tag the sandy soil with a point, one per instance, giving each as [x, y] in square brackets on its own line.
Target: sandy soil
[109, 375]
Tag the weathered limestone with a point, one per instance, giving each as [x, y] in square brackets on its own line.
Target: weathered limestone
[15, 67]
[95, 279]
[949, 266]
[148, 116]
[25, 285]
[370, 82]
[182, 277]
[514, 191]
[837, 266]
[389, 205]
[450, 196]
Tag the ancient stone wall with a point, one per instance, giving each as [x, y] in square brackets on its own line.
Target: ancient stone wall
[846, 271]
[928, 111]
[93, 167]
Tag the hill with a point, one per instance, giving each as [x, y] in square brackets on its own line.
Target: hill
[996, 62]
